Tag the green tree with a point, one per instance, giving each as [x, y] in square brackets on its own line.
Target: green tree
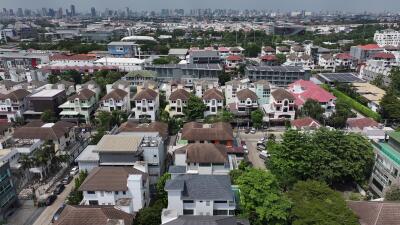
[339, 118]
[390, 107]
[314, 203]
[393, 194]
[104, 120]
[225, 116]
[281, 58]
[174, 125]
[395, 81]
[334, 157]
[223, 78]
[261, 199]
[378, 81]
[313, 109]
[162, 195]
[150, 215]
[52, 79]
[72, 76]
[252, 50]
[166, 60]
[76, 196]
[257, 118]
[48, 116]
[118, 117]
[195, 108]
[100, 132]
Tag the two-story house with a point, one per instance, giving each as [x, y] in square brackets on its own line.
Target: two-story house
[146, 105]
[387, 164]
[268, 50]
[214, 101]
[246, 102]
[91, 85]
[231, 88]
[122, 186]
[282, 106]
[201, 158]
[344, 60]
[199, 195]
[116, 99]
[13, 104]
[79, 106]
[216, 133]
[262, 88]
[177, 102]
[201, 86]
[326, 61]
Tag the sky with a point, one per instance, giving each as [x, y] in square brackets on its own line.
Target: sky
[282, 5]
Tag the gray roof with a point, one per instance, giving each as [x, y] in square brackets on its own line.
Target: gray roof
[122, 43]
[187, 66]
[177, 169]
[340, 77]
[178, 51]
[202, 187]
[276, 68]
[204, 53]
[208, 220]
[87, 155]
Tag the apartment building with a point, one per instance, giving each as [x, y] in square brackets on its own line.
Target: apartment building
[177, 102]
[363, 52]
[8, 195]
[43, 101]
[387, 164]
[214, 101]
[124, 187]
[204, 57]
[199, 195]
[13, 105]
[187, 71]
[146, 105]
[282, 106]
[139, 77]
[277, 75]
[79, 106]
[387, 37]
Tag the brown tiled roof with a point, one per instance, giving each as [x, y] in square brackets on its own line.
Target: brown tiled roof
[305, 122]
[268, 49]
[217, 131]
[116, 94]
[281, 94]
[131, 126]
[376, 213]
[283, 49]
[205, 153]
[298, 48]
[92, 215]
[327, 56]
[35, 131]
[245, 94]
[17, 94]
[361, 123]
[84, 94]
[213, 93]
[147, 94]
[109, 178]
[179, 94]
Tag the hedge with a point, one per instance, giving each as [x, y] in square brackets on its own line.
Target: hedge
[353, 103]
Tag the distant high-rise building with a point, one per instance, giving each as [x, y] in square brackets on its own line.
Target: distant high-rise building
[93, 11]
[60, 12]
[73, 13]
[51, 13]
[27, 12]
[128, 12]
[11, 12]
[44, 12]
[20, 13]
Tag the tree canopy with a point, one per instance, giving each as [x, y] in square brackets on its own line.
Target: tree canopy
[261, 199]
[314, 203]
[257, 118]
[313, 109]
[393, 194]
[339, 118]
[334, 157]
[195, 108]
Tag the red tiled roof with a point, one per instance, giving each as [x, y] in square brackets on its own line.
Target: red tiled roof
[383, 55]
[268, 58]
[223, 49]
[369, 47]
[343, 56]
[268, 49]
[309, 91]
[234, 58]
[361, 123]
[305, 122]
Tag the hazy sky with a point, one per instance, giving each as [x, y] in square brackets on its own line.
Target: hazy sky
[284, 5]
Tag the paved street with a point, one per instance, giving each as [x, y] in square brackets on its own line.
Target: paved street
[47, 214]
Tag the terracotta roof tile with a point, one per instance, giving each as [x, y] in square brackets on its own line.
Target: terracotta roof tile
[217, 131]
[361, 123]
[281, 94]
[84, 94]
[116, 94]
[213, 93]
[179, 94]
[306, 122]
[376, 213]
[147, 94]
[245, 94]
[36, 131]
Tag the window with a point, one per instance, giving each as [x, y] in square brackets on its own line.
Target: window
[204, 164]
[220, 201]
[377, 184]
[188, 201]
[116, 192]
[188, 212]
[93, 202]
[149, 101]
[124, 192]
[90, 192]
[220, 212]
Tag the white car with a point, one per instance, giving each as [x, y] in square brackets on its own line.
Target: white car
[264, 155]
[253, 130]
[74, 171]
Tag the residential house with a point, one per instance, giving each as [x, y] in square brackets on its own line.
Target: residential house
[99, 215]
[246, 102]
[216, 133]
[214, 220]
[344, 61]
[326, 61]
[180, 53]
[199, 195]
[233, 62]
[387, 59]
[269, 60]
[174, 85]
[153, 129]
[204, 57]
[88, 159]
[282, 106]
[91, 85]
[368, 127]
[79, 106]
[304, 90]
[214, 101]
[122, 64]
[116, 99]
[387, 164]
[124, 187]
[13, 105]
[282, 50]
[146, 105]
[297, 50]
[45, 100]
[262, 88]
[371, 93]
[123, 49]
[231, 88]
[268, 50]
[306, 123]
[202, 158]
[177, 102]
[201, 86]
[302, 60]
[236, 50]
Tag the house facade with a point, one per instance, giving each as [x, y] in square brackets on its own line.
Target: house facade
[13, 105]
[214, 101]
[177, 102]
[146, 105]
[282, 106]
[79, 106]
[116, 99]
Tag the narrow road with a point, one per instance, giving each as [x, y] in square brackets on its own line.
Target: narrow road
[47, 214]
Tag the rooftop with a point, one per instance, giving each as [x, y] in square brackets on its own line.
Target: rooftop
[340, 77]
[47, 93]
[376, 213]
[88, 155]
[204, 153]
[389, 151]
[216, 131]
[118, 143]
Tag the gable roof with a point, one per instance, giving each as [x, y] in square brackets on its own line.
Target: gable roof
[205, 153]
[269, 58]
[109, 178]
[216, 131]
[376, 213]
[245, 94]
[15, 95]
[361, 123]
[156, 126]
[202, 187]
[234, 58]
[383, 55]
[116, 94]
[213, 93]
[179, 94]
[281, 94]
[268, 49]
[36, 130]
[84, 94]
[306, 122]
[147, 94]
[207, 220]
[343, 56]
[92, 215]
[309, 90]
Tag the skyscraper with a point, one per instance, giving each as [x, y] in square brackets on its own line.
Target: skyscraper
[73, 13]
[20, 13]
[93, 11]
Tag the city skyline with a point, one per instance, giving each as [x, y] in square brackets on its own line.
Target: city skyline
[274, 5]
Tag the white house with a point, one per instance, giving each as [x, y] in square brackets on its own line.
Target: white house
[387, 37]
[246, 102]
[231, 88]
[326, 61]
[281, 107]
[81, 104]
[177, 102]
[123, 64]
[121, 186]
[116, 99]
[214, 101]
[146, 104]
[13, 104]
[201, 86]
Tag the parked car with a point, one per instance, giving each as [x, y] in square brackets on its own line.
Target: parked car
[260, 147]
[59, 189]
[57, 214]
[247, 130]
[260, 143]
[50, 199]
[74, 171]
[66, 180]
[264, 155]
[253, 130]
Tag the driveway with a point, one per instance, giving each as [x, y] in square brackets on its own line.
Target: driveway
[47, 214]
